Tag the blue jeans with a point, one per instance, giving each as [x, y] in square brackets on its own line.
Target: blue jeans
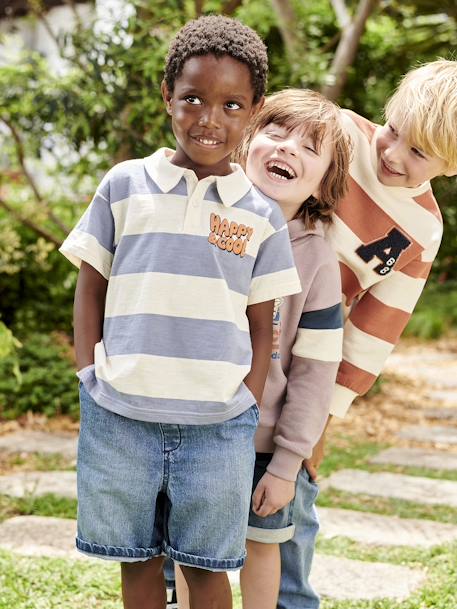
[148, 489]
[297, 553]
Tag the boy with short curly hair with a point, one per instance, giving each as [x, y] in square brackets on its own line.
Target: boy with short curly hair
[181, 259]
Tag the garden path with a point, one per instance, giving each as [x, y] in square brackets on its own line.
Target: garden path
[427, 376]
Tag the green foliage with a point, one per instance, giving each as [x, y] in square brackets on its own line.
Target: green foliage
[48, 382]
[436, 311]
[55, 583]
[31, 505]
[106, 106]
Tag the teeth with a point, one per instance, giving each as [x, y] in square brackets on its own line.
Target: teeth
[283, 167]
[207, 142]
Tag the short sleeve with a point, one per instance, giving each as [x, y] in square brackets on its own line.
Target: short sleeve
[274, 274]
[92, 239]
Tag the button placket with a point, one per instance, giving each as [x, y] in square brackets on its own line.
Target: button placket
[193, 211]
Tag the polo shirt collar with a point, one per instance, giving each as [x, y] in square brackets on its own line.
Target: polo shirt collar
[231, 188]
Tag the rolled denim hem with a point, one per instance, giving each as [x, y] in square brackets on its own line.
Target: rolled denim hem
[116, 553]
[270, 535]
[201, 562]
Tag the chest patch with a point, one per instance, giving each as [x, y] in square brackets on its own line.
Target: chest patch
[387, 250]
[229, 236]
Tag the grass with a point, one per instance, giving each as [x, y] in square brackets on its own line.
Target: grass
[45, 462]
[440, 565]
[46, 505]
[49, 583]
[45, 583]
[386, 506]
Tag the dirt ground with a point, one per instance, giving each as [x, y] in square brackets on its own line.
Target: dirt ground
[397, 402]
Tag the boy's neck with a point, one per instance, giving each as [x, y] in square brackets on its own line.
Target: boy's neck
[201, 171]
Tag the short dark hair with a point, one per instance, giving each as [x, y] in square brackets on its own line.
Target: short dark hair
[218, 35]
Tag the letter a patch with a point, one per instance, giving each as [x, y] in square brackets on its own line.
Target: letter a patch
[387, 249]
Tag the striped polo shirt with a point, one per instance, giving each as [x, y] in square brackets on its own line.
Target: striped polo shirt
[183, 259]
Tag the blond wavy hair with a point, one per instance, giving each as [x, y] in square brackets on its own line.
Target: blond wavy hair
[425, 107]
[319, 117]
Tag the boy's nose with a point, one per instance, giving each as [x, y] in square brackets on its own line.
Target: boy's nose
[288, 146]
[209, 118]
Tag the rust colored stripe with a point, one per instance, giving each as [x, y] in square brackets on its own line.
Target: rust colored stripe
[428, 202]
[377, 319]
[350, 284]
[354, 378]
[417, 269]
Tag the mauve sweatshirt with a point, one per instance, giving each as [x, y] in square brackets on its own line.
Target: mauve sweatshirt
[307, 345]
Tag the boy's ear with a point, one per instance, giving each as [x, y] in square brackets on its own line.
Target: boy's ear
[166, 96]
[257, 106]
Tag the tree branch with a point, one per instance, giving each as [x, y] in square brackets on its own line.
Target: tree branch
[287, 23]
[347, 49]
[342, 13]
[19, 146]
[198, 7]
[230, 6]
[27, 222]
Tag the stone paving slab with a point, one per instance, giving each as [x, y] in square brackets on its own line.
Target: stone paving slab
[384, 530]
[39, 483]
[448, 397]
[443, 414]
[40, 536]
[437, 369]
[438, 435]
[338, 578]
[40, 442]
[395, 486]
[343, 578]
[416, 457]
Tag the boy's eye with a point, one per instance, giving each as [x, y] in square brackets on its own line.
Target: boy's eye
[310, 147]
[193, 99]
[276, 135]
[418, 153]
[232, 105]
[392, 129]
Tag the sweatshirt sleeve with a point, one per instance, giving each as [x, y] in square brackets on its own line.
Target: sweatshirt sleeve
[374, 326]
[316, 354]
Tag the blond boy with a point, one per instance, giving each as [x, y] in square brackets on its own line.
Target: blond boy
[386, 234]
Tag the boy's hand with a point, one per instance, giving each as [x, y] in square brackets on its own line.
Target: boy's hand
[272, 494]
[313, 463]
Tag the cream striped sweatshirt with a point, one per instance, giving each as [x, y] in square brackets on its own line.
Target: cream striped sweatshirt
[386, 239]
[307, 339]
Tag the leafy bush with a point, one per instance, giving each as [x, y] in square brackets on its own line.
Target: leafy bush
[48, 384]
[436, 312]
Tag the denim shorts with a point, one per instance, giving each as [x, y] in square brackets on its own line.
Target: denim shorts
[278, 527]
[149, 489]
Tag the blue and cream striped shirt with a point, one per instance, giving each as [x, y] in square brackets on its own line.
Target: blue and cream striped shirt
[183, 259]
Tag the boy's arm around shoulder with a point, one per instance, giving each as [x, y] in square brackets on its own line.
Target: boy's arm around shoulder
[316, 354]
[88, 313]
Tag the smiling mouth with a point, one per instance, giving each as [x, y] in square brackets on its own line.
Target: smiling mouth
[206, 141]
[280, 171]
[389, 170]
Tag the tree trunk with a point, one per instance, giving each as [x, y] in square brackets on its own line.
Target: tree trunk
[347, 48]
[287, 23]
